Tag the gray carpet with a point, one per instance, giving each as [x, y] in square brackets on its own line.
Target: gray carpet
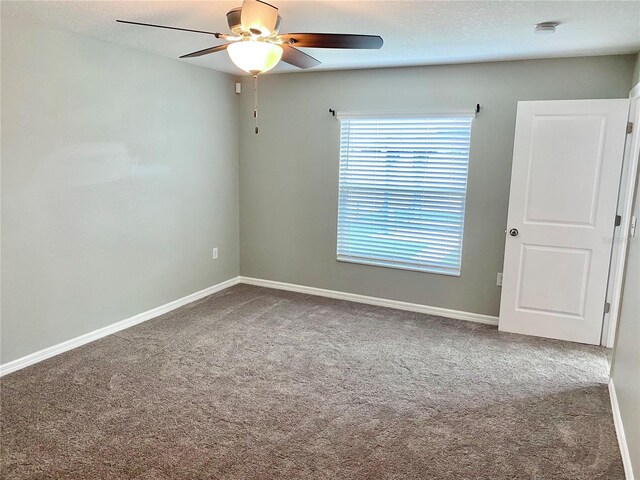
[253, 383]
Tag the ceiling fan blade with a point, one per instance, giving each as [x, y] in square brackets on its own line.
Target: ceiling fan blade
[258, 17]
[215, 34]
[332, 40]
[206, 51]
[298, 58]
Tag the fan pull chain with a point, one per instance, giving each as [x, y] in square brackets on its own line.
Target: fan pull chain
[255, 100]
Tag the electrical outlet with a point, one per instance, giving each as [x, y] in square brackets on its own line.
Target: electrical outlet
[499, 279]
[215, 253]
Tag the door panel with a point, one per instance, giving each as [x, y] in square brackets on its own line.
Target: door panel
[553, 163]
[566, 172]
[565, 271]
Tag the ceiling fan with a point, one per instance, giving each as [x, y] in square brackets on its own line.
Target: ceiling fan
[256, 44]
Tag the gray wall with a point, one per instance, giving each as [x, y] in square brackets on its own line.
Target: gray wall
[116, 185]
[289, 172]
[636, 71]
[625, 370]
[117, 181]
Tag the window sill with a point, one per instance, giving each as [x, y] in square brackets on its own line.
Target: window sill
[395, 266]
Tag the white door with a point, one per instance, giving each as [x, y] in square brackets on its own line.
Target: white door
[567, 161]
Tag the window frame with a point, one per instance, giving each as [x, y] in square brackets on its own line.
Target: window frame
[426, 115]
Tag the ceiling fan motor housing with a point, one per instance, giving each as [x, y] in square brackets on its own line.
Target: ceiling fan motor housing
[235, 23]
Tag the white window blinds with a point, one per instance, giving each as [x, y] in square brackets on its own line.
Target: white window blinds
[402, 191]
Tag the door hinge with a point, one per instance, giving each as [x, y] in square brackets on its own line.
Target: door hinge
[629, 127]
[607, 307]
[618, 220]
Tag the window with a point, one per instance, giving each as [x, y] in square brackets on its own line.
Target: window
[402, 191]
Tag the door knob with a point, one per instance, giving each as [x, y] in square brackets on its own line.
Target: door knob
[513, 232]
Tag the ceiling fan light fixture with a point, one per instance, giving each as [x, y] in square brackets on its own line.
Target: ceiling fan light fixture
[254, 56]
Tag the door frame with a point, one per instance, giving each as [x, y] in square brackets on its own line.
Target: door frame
[625, 209]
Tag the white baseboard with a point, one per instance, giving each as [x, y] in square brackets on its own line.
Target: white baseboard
[155, 312]
[109, 329]
[622, 440]
[381, 302]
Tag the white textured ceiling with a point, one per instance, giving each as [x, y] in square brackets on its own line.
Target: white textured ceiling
[415, 32]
